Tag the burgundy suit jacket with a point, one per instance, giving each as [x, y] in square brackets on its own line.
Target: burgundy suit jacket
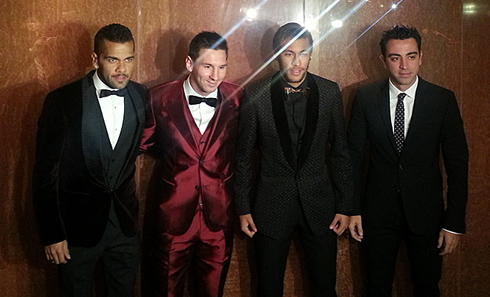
[191, 168]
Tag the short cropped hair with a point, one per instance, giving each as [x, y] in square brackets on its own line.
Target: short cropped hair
[207, 40]
[288, 32]
[399, 33]
[113, 33]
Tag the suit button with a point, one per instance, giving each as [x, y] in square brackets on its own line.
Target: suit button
[197, 187]
[400, 166]
[201, 161]
[396, 189]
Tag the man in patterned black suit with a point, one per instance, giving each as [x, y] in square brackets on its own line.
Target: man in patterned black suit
[292, 118]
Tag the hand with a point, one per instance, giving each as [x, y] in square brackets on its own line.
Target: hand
[355, 228]
[57, 253]
[247, 225]
[339, 224]
[447, 242]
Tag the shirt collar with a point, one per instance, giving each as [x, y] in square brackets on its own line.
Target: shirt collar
[188, 91]
[394, 91]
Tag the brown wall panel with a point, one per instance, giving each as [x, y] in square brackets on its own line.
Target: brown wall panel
[47, 43]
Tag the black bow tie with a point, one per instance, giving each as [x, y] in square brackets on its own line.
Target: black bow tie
[303, 91]
[120, 92]
[197, 100]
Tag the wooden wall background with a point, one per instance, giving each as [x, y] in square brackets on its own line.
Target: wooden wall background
[47, 43]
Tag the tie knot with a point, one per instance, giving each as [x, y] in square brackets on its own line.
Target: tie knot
[197, 100]
[401, 96]
[120, 92]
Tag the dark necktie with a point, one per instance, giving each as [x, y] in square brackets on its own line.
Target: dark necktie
[120, 92]
[399, 129]
[197, 100]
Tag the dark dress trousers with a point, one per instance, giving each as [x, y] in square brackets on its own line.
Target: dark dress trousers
[403, 194]
[193, 181]
[81, 184]
[292, 191]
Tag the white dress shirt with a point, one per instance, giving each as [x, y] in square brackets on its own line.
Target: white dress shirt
[112, 108]
[202, 113]
[408, 102]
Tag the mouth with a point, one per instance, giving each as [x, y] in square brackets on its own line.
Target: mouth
[120, 77]
[296, 71]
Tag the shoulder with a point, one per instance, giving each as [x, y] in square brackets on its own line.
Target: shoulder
[322, 82]
[374, 87]
[426, 87]
[171, 86]
[230, 89]
[139, 87]
[259, 87]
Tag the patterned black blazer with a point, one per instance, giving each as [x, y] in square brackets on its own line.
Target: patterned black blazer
[281, 180]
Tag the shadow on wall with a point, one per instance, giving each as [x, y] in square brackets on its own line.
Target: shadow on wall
[21, 107]
[170, 53]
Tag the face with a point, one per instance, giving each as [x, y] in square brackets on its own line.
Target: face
[294, 61]
[208, 71]
[115, 63]
[403, 61]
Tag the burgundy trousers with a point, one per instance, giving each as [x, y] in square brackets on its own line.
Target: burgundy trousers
[200, 256]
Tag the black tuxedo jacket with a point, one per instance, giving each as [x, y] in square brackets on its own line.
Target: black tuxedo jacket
[281, 180]
[415, 175]
[72, 189]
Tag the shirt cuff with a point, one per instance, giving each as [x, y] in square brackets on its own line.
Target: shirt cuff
[451, 231]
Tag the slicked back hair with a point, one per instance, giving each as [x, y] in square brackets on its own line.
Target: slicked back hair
[288, 32]
[399, 32]
[207, 40]
[113, 33]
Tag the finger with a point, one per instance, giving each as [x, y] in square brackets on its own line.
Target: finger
[440, 241]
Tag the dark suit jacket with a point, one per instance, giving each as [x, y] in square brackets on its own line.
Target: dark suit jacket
[192, 167]
[72, 192]
[436, 126]
[282, 181]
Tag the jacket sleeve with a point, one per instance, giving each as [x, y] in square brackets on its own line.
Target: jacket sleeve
[49, 144]
[246, 139]
[455, 155]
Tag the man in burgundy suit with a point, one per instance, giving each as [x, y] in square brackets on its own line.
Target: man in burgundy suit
[189, 216]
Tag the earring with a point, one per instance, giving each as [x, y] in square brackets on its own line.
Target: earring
[96, 66]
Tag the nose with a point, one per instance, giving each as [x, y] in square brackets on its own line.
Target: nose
[296, 62]
[403, 64]
[214, 74]
[121, 67]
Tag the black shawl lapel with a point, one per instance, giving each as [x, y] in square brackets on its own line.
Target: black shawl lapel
[92, 125]
[311, 120]
[281, 121]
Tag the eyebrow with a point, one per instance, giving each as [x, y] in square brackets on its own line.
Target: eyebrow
[408, 54]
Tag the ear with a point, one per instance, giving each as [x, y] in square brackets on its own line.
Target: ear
[95, 60]
[189, 64]
[420, 60]
[382, 58]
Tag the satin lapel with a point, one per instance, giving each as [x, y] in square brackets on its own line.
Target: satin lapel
[138, 107]
[384, 109]
[177, 111]
[92, 138]
[281, 121]
[222, 115]
[311, 121]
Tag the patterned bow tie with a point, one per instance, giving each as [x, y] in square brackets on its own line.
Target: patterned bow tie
[303, 91]
[197, 100]
[120, 92]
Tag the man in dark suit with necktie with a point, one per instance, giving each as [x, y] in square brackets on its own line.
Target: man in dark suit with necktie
[188, 223]
[407, 123]
[292, 118]
[83, 181]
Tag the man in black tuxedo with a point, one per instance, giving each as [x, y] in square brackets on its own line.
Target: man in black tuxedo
[292, 118]
[89, 135]
[407, 123]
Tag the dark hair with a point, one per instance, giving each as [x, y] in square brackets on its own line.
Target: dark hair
[288, 32]
[399, 33]
[113, 33]
[207, 40]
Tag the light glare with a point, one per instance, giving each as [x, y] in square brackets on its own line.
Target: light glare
[337, 24]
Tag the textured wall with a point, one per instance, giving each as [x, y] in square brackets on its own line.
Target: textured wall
[47, 43]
